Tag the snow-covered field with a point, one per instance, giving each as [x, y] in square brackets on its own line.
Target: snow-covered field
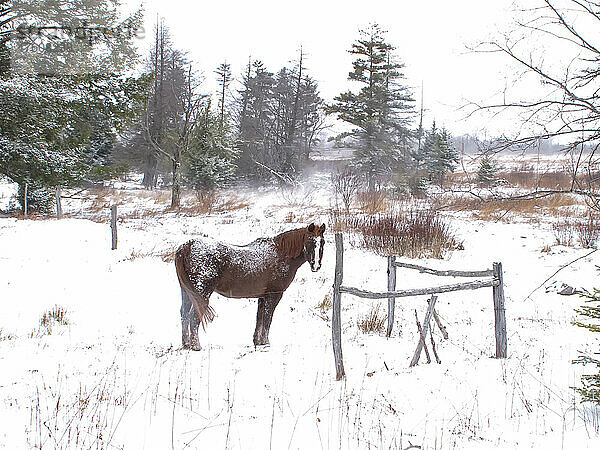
[115, 377]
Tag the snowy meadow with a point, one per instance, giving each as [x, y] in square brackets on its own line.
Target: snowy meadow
[90, 340]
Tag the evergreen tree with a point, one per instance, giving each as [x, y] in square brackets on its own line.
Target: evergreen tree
[58, 127]
[278, 119]
[487, 172]
[210, 161]
[439, 155]
[223, 73]
[380, 112]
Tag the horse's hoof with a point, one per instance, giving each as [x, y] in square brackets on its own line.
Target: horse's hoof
[261, 346]
[195, 347]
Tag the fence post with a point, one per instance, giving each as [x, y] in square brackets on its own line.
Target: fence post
[336, 320]
[59, 212]
[499, 314]
[426, 321]
[391, 286]
[25, 201]
[113, 225]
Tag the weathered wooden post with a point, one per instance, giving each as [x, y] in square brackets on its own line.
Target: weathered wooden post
[426, 321]
[25, 201]
[113, 225]
[391, 273]
[59, 212]
[336, 320]
[499, 314]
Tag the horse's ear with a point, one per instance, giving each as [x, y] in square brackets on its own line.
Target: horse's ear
[322, 229]
[311, 228]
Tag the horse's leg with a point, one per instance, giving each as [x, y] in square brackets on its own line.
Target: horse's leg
[186, 310]
[264, 316]
[202, 298]
[259, 330]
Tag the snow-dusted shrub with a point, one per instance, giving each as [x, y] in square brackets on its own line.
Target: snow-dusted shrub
[415, 233]
[590, 312]
[588, 231]
[564, 232]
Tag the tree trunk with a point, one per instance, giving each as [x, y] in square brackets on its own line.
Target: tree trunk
[176, 185]
[150, 170]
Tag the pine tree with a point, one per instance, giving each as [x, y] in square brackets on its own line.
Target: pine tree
[278, 119]
[223, 73]
[487, 172]
[439, 155]
[211, 159]
[58, 127]
[380, 112]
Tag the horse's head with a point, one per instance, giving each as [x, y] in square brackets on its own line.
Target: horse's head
[313, 245]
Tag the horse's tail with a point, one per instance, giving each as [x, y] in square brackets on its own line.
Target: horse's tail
[205, 312]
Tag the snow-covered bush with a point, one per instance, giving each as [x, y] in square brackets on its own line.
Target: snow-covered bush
[416, 233]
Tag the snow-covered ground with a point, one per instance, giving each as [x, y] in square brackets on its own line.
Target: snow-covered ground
[115, 376]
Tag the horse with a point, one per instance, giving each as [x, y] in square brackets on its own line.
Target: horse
[262, 269]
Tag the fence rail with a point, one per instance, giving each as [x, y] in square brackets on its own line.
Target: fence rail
[495, 281]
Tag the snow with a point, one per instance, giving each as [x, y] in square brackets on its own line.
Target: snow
[7, 192]
[115, 375]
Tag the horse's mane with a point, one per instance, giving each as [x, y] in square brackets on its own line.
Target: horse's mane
[290, 243]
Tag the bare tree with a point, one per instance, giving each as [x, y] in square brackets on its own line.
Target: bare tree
[568, 106]
[346, 183]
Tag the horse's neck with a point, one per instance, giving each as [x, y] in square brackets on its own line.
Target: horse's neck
[295, 263]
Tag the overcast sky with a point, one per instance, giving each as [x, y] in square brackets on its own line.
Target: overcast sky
[430, 38]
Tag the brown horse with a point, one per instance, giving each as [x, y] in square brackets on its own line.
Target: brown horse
[263, 269]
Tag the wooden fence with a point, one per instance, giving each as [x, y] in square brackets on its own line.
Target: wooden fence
[495, 281]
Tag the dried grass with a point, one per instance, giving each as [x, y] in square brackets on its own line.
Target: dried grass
[167, 255]
[55, 316]
[4, 336]
[556, 205]
[211, 202]
[373, 202]
[373, 322]
[325, 304]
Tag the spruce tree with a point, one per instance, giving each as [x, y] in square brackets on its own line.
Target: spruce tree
[62, 107]
[439, 155]
[278, 120]
[487, 172]
[380, 112]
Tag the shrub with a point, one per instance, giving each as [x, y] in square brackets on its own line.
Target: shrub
[588, 231]
[416, 234]
[346, 183]
[563, 232]
[590, 392]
